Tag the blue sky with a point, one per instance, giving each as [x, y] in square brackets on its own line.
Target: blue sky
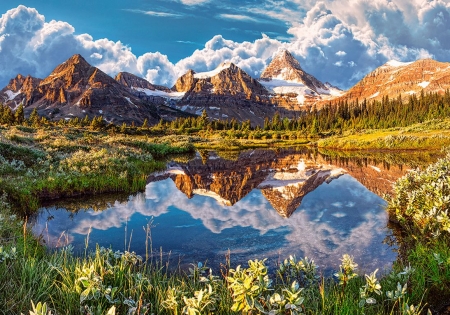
[170, 27]
[337, 41]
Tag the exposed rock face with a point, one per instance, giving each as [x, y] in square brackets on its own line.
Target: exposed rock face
[185, 83]
[133, 81]
[162, 97]
[75, 89]
[405, 78]
[293, 88]
[226, 92]
[20, 90]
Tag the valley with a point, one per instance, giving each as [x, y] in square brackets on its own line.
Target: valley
[222, 168]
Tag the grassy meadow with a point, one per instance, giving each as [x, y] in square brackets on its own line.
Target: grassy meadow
[44, 162]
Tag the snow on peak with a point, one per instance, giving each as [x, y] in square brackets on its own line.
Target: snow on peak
[396, 64]
[281, 53]
[209, 74]
[11, 95]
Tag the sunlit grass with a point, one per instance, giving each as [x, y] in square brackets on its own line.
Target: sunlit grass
[430, 135]
[64, 162]
[56, 162]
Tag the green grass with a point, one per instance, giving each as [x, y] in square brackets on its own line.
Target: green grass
[430, 135]
[70, 162]
[58, 162]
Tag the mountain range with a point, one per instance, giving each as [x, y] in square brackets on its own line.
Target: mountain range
[76, 89]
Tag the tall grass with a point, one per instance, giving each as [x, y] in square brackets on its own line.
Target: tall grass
[68, 162]
[106, 281]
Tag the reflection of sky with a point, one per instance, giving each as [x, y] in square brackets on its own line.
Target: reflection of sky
[336, 218]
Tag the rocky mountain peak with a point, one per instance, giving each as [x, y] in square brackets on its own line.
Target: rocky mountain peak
[134, 82]
[16, 83]
[283, 60]
[76, 72]
[226, 79]
[227, 91]
[76, 89]
[285, 67]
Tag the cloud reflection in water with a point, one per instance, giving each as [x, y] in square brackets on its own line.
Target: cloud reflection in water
[336, 218]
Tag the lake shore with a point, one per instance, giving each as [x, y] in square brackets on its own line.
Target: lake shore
[65, 159]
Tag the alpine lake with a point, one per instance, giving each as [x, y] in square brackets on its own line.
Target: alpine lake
[230, 207]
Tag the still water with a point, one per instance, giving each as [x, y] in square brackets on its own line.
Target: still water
[258, 204]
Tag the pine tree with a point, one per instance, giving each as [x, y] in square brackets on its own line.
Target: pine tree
[19, 115]
[145, 124]
[123, 128]
[204, 119]
[85, 121]
[8, 116]
[34, 118]
[97, 123]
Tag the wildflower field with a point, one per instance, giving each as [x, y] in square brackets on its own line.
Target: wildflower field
[44, 163]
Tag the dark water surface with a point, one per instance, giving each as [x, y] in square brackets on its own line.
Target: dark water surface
[264, 204]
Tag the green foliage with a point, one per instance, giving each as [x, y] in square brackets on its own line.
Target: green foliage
[248, 285]
[39, 309]
[368, 291]
[303, 271]
[346, 270]
[421, 200]
[67, 162]
[19, 115]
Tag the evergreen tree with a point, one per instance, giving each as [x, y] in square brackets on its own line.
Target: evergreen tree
[8, 116]
[204, 119]
[19, 115]
[145, 124]
[85, 121]
[97, 123]
[34, 118]
[123, 128]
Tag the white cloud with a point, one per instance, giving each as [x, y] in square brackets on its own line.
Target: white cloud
[156, 68]
[96, 56]
[356, 35]
[244, 18]
[156, 13]
[312, 228]
[237, 17]
[194, 2]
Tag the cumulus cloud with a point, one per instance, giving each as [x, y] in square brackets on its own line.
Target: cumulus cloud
[156, 67]
[339, 42]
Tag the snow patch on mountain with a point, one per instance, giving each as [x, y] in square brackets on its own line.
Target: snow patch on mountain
[171, 95]
[423, 84]
[396, 64]
[374, 95]
[11, 95]
[280, 86]
[209, 74]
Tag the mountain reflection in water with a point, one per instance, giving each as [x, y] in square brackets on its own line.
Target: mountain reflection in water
[264, 204]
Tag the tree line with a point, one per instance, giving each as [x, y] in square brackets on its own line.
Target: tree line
[344, 115]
